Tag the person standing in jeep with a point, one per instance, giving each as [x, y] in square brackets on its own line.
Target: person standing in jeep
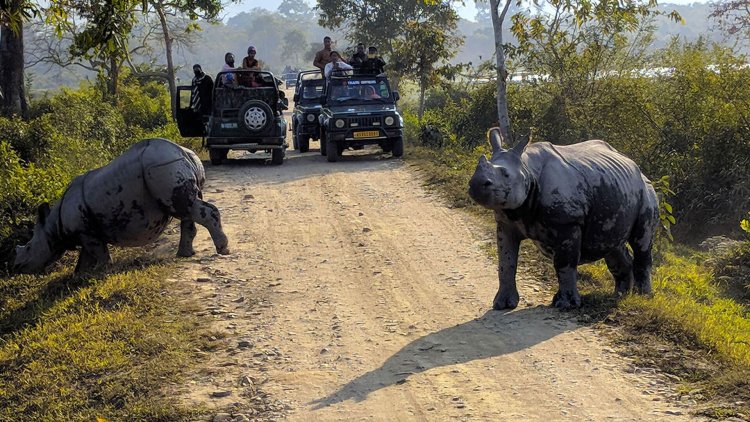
[374, 65]
[323, 57]
[358, 58]
[250, 62]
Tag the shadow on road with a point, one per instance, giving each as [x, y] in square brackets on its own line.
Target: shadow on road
[493, 334]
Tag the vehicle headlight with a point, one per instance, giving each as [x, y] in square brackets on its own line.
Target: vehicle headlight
[389, 120]
[339, 123]
[310, 117]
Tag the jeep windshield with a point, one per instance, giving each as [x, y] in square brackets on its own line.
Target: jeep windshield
[311, 88]
[359, 89]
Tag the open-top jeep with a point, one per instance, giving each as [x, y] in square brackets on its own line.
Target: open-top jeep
[246, 114]
[360, 110]
[307, 94]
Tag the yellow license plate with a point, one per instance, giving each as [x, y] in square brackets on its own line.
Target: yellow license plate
[366, 134]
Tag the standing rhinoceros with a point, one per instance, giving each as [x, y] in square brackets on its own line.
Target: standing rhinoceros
[578, 203]
[128, 202]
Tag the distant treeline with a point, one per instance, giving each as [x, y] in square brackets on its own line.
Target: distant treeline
[283, 38]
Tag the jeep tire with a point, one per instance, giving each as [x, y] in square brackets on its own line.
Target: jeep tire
[398, 146]
[332, 150]
[304, 143]
[217, 155]
[277, 156]
[255, 116]
[295, 140]
[323, 141]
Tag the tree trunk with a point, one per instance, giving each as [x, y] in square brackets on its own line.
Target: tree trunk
[12, 90]
[112, 78]
[170, 64]
[502, 74]
[422, 89]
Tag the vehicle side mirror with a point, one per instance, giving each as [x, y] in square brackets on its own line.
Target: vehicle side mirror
[296, 98]
[396, 96]
[284, 103]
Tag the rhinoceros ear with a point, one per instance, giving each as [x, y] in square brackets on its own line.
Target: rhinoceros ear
[521, 145]
[42, 212]
[496, 139]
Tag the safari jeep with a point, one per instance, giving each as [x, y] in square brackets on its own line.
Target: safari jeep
[246, 115]
[359, 110]
[307, 94]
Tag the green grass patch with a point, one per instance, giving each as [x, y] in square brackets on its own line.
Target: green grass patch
[693, 327]
[448, 172]
[78, 349]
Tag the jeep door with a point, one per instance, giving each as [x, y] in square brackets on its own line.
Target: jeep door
[189, 122]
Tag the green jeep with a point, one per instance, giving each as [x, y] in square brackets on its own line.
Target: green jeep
[307, 93]
[246, 114]
[360, 110]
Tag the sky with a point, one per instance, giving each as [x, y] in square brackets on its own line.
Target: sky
[467, 11]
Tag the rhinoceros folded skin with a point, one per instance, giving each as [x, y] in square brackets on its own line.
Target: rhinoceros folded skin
[128, 202]
[577, 203]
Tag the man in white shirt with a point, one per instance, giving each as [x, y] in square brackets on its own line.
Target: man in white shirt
[337, 66]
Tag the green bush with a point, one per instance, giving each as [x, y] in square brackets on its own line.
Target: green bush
[145, 107]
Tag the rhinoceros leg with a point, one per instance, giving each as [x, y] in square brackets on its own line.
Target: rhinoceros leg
[177, 188]
[207, 215]
[566, 257]
[620, 264]
[642, 271]
[642, 262]
[508, 241]
[642, 240]
[94, 253]
[187, 234]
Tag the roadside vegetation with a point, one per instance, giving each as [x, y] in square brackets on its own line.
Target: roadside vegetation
[82, 349]
[688, 130]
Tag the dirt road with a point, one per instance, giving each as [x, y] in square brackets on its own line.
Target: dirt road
[353, 294]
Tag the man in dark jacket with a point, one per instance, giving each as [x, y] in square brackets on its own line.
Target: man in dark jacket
[201, 95]
[358, 58]
[374, 64]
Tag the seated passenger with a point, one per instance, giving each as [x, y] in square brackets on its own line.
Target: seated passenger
[337, 67]
[370, 92]
[228, 78]
[310, 92]
[339, 91]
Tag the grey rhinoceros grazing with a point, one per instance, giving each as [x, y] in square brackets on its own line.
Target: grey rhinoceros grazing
[578, 203]
[128, 202]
